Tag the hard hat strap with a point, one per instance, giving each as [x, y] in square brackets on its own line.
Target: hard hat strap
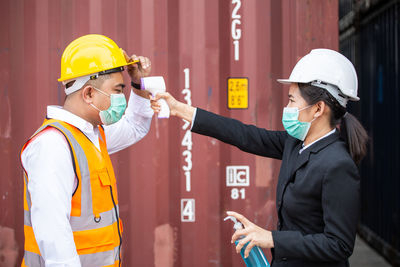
[80, 81]
[333, 90]
[117, 69]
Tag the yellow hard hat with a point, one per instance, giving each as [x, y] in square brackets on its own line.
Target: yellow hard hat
[92, 53]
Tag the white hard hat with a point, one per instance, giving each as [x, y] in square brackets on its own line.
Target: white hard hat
[327, 69]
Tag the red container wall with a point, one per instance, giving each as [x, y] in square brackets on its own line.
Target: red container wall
[191, 44]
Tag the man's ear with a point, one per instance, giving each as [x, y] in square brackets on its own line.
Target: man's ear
[87, 94]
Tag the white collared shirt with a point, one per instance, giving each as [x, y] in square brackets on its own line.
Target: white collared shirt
[47, 161]
[310, 144]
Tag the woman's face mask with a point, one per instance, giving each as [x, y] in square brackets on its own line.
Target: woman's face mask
[116, 109]
[292, 125]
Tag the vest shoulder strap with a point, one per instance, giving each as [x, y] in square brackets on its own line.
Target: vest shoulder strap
[59, 126]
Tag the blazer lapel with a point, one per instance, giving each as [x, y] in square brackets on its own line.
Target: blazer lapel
[300, 160]
[287, 170]
[305, 155]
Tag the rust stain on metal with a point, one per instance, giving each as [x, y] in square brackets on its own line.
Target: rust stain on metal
[164, 246]
[8, 247]
[266, 171]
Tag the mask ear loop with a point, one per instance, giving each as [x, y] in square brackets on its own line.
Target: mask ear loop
[91, 104]
[104, 93]
[307, 108]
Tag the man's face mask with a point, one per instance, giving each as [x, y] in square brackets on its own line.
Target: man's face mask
[116, 109]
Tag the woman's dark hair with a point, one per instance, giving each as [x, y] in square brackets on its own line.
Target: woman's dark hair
[351, 130]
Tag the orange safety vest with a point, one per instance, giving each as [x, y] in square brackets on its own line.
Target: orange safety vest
[94, 219]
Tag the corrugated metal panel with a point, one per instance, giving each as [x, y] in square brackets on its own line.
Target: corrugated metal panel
[178, 35]
[374, 48]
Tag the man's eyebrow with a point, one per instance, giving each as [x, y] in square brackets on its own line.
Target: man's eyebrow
[290, 96]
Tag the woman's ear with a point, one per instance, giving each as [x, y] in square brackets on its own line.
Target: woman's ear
[320, 108]
[87, 94]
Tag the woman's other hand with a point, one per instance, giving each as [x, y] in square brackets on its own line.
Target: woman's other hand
[252, 234]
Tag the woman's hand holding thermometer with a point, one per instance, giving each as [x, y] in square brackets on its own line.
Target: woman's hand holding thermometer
[154, 85]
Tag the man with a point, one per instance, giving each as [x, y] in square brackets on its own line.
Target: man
[70, 196]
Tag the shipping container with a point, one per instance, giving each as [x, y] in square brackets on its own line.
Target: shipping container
[371, 42]
[174, 186]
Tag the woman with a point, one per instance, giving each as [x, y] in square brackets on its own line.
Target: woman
[318, 187]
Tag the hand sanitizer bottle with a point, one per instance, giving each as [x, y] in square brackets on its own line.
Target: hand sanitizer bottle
[256, 256]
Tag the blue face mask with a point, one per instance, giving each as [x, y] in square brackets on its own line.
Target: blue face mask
[116, 109]
[292, 125]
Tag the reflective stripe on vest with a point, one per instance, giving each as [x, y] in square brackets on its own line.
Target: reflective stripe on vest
[94, 218]
[33, 259]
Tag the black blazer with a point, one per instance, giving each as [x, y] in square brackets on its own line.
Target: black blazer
[317, 196]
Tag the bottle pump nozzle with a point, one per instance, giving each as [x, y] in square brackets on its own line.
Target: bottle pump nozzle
[237, 225]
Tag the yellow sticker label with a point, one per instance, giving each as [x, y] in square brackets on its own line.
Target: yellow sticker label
[238, 93]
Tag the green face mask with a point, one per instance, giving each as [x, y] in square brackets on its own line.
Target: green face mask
[116, 109]
[292, 125]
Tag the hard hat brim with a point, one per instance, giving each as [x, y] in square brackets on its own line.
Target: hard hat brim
[72, 78]
[284, 81]
[287, 81]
